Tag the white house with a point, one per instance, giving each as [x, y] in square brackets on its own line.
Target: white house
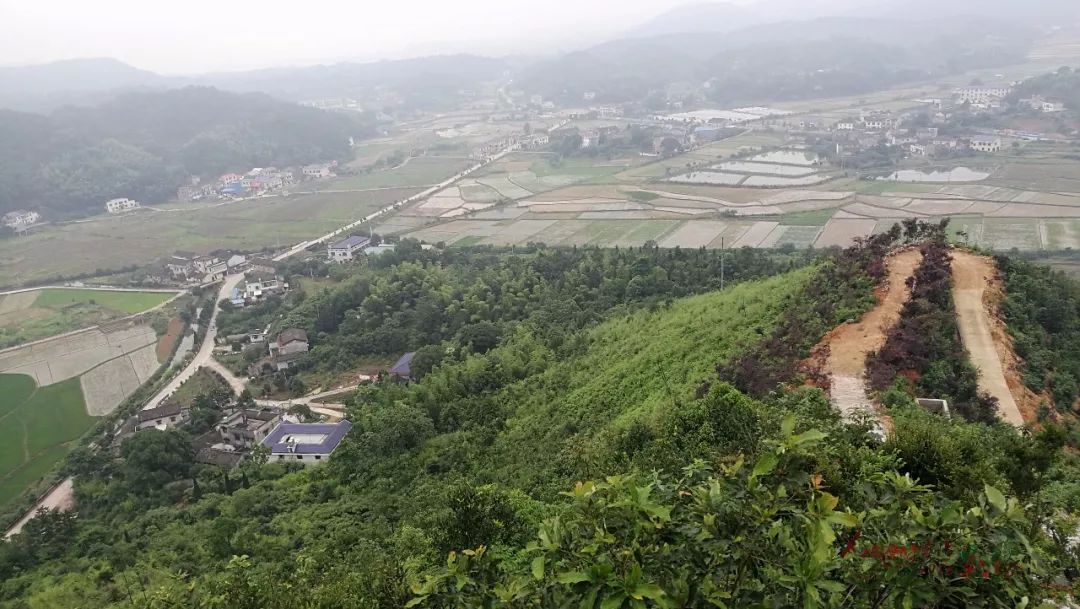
[344, 250]
[119, 206]
[845, 126]
[982, 95]
[319, 171]
[307, 443]
[986, 144]
[162, 417]
[21, 220]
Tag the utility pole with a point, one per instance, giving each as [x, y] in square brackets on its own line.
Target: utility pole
[721, 263]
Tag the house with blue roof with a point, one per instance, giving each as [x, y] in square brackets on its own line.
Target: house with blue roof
[307, 443]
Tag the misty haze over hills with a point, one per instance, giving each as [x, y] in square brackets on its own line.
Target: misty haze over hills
[673, 43]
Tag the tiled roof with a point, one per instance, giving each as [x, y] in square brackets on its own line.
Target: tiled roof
[290, 335]
[167, 410]
[351, 241]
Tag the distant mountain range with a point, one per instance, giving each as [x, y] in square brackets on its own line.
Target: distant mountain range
[726, 17]
[419, 81]
[672, 46]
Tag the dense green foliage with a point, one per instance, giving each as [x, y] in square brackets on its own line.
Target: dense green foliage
[412, 298]
[782, 503]
[1060, 86]
[1042, 311]
[143, 146]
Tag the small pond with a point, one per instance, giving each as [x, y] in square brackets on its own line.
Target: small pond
[958, 174]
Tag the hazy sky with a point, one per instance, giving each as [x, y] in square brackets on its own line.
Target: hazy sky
[183, 36]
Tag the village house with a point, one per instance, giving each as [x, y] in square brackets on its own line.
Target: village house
[119, 206]
[981, 95]
[247, 428]
[307, 443]
[163, 417]
[378, 250]
[236, 263]
[344, 250]
[845, 125]
[985, 144]
[293, 340]
[259, 285]
[21, 220]
[317, 171]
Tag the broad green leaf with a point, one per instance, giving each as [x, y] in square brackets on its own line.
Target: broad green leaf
[416, 601]
[572, 577]
[614, 601]
[995, 497]
[809, 436]
[538, 567]
[650, 591]
[765, 464]
[787, 426]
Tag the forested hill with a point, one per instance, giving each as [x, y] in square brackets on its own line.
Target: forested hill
[145, 145]
[783, 61]
[591, 429]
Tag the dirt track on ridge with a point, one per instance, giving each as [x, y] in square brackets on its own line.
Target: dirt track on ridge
[972, 275]
[849, 344]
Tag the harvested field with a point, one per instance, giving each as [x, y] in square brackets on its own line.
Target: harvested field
[694, 234]
[478, 193]
[938, 207]
[1028, 210]
[800, 237]
[1004, 235]
[520, 231]
[755, 234]
[505, 187]
[842, 233]
[871, 211]
[59, 359]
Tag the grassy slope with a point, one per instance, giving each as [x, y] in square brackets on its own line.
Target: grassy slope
[124, 302]
[636, 366]
[57, 311]
[36, 430]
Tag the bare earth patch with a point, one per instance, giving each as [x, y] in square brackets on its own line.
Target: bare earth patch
[848, 345]
[977, 291]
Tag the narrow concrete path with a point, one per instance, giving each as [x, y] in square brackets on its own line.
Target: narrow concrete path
[60, 498]
[849, 344]
[971, 276]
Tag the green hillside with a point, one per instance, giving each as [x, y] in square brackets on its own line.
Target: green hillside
[601, 459]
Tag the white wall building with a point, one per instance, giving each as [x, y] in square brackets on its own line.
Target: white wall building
[119, 206]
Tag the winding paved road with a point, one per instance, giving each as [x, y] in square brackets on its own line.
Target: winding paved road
[204, 356]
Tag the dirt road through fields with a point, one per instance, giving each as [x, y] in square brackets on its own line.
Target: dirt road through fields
[849, 344]
[61, 498]
[971, 276]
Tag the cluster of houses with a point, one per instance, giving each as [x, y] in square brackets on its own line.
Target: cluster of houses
[282, 352]
[184, 267]
[20, 221]
[240, 430]
[257, 181]
[350, 248]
